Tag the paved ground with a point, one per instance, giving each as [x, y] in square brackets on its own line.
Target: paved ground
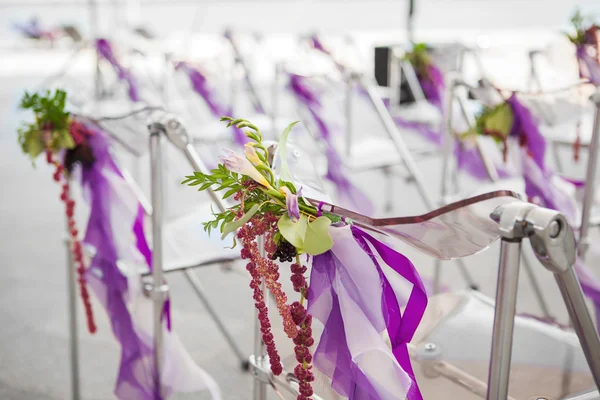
[33, 321]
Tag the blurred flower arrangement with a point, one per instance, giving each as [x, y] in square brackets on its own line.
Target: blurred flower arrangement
[271, 214]
[429, 76]
[495, 122]
[587, 41]
[64, 142]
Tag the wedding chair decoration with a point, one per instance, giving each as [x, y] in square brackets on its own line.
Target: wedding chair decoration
[570, 115]
[35, 31]
[154, 363]
[523, 148]
[355, 284]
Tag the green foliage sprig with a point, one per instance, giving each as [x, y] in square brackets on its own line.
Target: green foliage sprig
[251, 181]
[419, 58]
[584, 27]
[50, 130]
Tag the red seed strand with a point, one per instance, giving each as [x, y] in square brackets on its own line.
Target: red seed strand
[76, 244]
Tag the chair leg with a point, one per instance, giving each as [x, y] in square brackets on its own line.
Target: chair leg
[389, 193]
[197, 286]
[437, 276]
[537, 291]
[556, 156]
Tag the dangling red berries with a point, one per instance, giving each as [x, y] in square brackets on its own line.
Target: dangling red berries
[76, 248]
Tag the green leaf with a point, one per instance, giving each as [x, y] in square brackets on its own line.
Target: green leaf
[500, 119]
[293, 232]
[230, 192]
[232, 226]
[284, 172]
[317, 240]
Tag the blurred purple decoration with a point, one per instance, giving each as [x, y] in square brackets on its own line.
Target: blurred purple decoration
[201, 87]
[589, 68]
[335, 171]
[33, 30]
[106, 52]
[351, 295]
[433, 85]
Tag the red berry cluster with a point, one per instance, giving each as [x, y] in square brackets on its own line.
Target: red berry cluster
[73, 232]
[259, 271]
[304, 340]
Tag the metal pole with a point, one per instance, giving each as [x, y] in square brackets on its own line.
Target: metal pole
[158, 289]
[275, 98]
[392, 129]
[410, 21]
[348, 110]
[260, 387]
[395, 78]
[582, 321]
[590, 177]
[94, 35]
[73, 339]
[413, 81]
[504, 319]
[258, 106]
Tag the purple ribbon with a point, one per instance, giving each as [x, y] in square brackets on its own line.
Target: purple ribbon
[433, 85]
[588, 67]
[105, 51]
[343, 297]
[202, 88]
[335, 171]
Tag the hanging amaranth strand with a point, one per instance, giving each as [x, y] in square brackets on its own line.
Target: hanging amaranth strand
[52, 133]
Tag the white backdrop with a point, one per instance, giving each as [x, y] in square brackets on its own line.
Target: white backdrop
[289, 16]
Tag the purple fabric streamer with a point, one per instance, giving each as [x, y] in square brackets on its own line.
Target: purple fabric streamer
[202, 88]
[524, 124]
[401, 328]
[429, 134]
[433, 85]
[335, 171]
[108, 281]
[588, 67]
[105, 51]
[333, 355]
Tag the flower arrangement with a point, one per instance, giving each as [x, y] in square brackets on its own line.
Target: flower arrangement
[586, 30]
[64, 142]
[587, 41]
[429, 76]
[274, 222]
[271, 208]
[495, 122]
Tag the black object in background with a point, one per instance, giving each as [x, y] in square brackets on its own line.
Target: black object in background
[382, 63]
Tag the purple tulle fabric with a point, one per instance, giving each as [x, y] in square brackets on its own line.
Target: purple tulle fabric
[202, 87]
[588, 67]
[433, 85]
[115, 230]
[352, 295]
[105, 51]
[348, 192]
[135, 375]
